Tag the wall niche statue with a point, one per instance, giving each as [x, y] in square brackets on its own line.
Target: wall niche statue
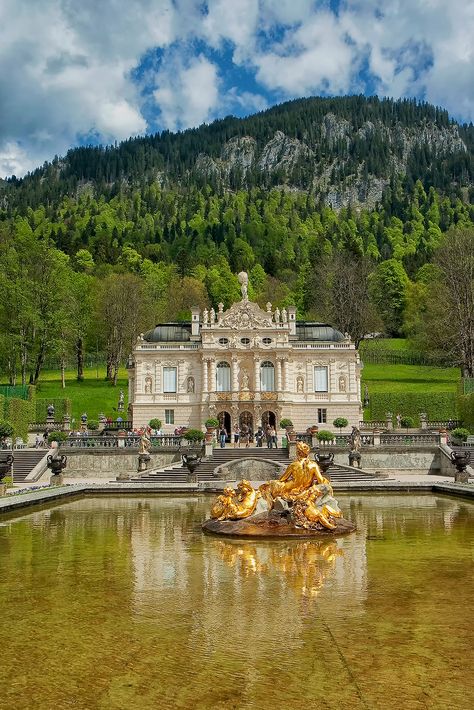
[148, 385]
[299, 384]
[190, 385]
[342, 384]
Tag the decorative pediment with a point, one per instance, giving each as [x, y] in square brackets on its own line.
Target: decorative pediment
[245, 315]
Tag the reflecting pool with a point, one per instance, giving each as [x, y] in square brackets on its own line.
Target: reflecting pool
[124, 603]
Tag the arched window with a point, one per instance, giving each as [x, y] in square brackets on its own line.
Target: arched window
[267, 376]
[223, 377]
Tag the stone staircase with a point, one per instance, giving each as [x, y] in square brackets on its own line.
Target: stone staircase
[25, 461]
[176, 473]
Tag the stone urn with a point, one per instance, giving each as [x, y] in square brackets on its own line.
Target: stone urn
[191, 461]
[56, 464]
[324, 461]
[461, 460]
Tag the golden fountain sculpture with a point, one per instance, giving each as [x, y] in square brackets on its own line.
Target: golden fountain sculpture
[300, 503]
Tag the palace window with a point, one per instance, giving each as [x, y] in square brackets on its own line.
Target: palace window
[320, 379]
[322, 416]
[266, 341]
[169, 416]
[223, 341]
[169, 379]
[223, 377]
[267, 376]
[245, 341]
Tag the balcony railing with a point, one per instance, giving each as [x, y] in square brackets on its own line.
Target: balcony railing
[119, 442]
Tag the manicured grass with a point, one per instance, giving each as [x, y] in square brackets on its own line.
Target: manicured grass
[94, 395]
[396, 344]
[410, 378]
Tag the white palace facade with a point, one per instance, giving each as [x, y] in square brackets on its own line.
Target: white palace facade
[244, 365]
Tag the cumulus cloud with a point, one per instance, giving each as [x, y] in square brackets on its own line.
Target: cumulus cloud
[72, 71]
[186, 93]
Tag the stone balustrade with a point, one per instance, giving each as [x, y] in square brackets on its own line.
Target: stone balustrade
[120, 442]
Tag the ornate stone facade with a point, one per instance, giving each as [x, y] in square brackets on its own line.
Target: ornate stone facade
[244, 365]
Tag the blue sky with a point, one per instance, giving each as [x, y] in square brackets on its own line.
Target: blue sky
[74, 72]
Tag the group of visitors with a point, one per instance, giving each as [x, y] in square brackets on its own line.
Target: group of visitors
[244, 435]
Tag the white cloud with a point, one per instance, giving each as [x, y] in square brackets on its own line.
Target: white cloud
[67, 67]
[186, 93]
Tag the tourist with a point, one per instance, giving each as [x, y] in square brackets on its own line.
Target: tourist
[222, 437]
[244, 435]
[236, 436]
[38, 442]
[259, 437]
[273, 437]
[268, 436]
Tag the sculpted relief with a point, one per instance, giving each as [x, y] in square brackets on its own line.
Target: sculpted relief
[245, 315]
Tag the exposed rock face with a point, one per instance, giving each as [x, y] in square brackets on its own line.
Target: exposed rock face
[319, 159]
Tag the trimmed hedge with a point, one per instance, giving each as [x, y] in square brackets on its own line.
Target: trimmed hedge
[437, 405]
[466, 410]
[19, 413]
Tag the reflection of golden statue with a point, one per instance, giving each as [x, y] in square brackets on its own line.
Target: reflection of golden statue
[234, 505]
[298, 478]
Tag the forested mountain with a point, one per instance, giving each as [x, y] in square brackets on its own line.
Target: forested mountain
[335, 205]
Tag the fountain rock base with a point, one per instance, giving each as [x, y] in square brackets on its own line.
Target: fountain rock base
[274, 524]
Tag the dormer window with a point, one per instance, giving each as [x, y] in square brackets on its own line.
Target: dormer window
[245, 341]
[266, 341]
[223, 341]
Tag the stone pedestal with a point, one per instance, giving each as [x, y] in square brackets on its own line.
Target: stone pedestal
[143, 461]
[66, 423]
[3, 489]
[49, 420]
[208, 448]
[56, 480]
[461, 477]
[192, 477]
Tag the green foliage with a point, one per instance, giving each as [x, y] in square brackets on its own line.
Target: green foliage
[340, 422]
[437, 405]
[19, 413]
[284, 423]
[62, 406]
[6, 429]
[212, 422]
[388, 285]
[57, 436]
[155, 423]
[407, 422]
[92, 424]
[460, 433]
[324, 435]
[194, 435]
[466, 409]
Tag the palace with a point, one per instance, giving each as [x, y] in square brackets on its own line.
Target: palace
[244, 366]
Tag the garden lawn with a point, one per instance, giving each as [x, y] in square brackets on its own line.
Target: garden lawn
[410, 378]
[94, 395]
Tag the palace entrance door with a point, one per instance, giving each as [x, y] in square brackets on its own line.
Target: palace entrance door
[268, 419]
[246, 422]
[224, 421]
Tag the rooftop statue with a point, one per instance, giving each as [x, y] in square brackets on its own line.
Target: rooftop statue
[243, 278]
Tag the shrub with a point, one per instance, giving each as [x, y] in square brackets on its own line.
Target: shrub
[194, 435]
[407, 422]
[93, 424]
[340, 422]
[155, 423]
[286, 423]
[460, 433]
[57, 436]
[324, 435]
[212, 422]
[437, 405]
[6, 429]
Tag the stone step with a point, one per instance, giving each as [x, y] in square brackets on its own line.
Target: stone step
[25, 461]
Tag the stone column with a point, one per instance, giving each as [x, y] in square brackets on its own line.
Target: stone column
[257, 373]
[285, 375]
[205, 379]
[212, 384]
[278, 375]
[235, 374]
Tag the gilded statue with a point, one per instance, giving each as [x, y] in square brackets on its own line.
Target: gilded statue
[235, 505]
[302, 488]
[296, 479]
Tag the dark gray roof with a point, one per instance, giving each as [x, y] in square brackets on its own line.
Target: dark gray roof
[324, 332]
[169, 333]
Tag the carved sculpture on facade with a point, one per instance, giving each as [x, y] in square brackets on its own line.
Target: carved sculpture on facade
[148, 385]
[342, 384]
[300, 384]
[190, 387]
[245, 315]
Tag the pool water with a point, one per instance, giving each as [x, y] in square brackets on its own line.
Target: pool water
[123, 603]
